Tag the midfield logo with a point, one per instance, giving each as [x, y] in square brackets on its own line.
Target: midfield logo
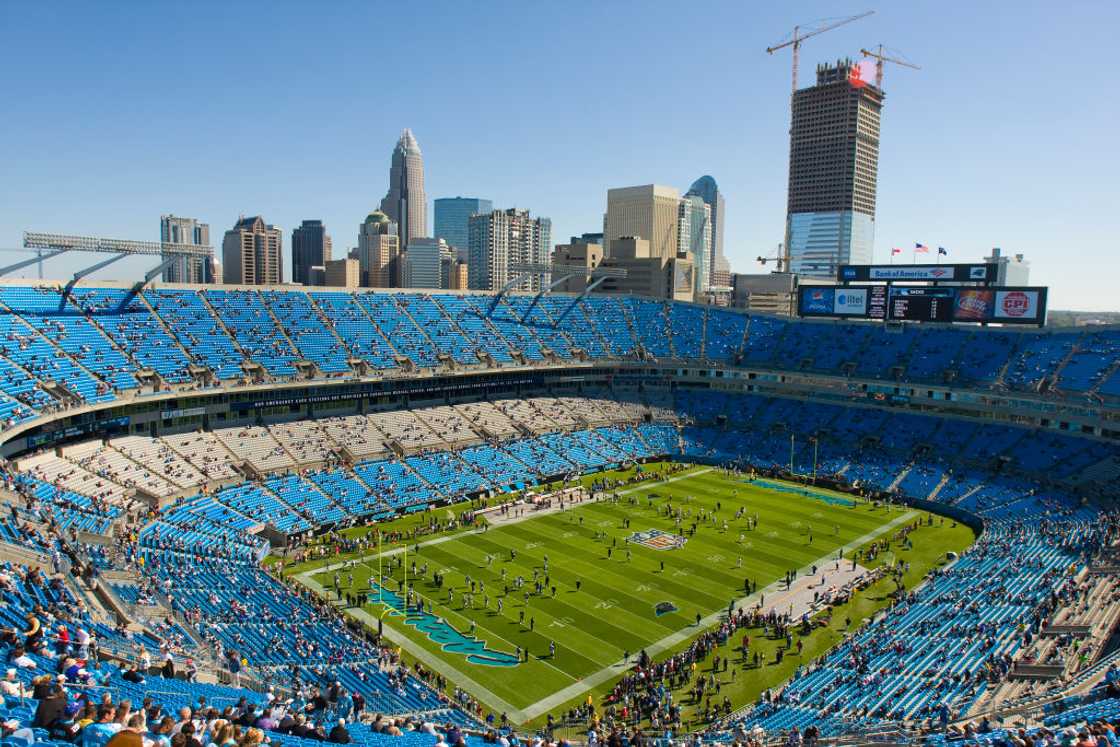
[655, 539]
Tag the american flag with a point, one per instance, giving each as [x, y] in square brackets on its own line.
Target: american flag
[921, 249]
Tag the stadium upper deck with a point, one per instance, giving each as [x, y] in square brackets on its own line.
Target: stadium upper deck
[101, 344]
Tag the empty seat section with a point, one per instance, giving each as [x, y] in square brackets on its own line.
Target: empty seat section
[128, 321]
[353, 324]
[480, 334]
[197, 330]
[399, 329]
[725, 332]
[448, 338]
[651, 323]
[311, 333]
[253, 327]
[69, 329]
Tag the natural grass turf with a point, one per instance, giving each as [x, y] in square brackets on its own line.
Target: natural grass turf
[613, 612]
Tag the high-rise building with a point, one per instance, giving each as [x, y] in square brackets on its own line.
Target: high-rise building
[174, 229]
[706, 189]
[252, 253]
[311, 247]
[504, 238]
[378, 252]
[719, 275]
[405, 203]
[647, 274]
[833, 170]
[650, 212]
[452, 214]
[342, 273]
[579, 252]
[422, 263]
[457, 275]
[696, 237]
[774, 293]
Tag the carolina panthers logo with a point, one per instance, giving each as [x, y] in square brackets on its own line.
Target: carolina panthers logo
[655, 539]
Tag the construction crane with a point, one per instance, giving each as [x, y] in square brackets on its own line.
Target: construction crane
[880, 58]
[780, 258]
[795, 40]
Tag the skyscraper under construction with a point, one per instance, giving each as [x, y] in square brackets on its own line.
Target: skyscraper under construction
[833, 171]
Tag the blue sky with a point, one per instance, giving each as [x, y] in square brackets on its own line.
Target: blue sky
[117, 112]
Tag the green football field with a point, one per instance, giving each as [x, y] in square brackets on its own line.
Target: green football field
[613, 597]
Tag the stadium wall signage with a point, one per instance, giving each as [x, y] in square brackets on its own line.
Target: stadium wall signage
[978, 273]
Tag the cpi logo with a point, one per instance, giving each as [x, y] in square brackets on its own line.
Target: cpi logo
[1016, 303]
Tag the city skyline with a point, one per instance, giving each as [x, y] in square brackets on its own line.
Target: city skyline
[1013, 173]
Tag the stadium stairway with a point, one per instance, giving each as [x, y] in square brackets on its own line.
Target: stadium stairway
[221, 324]
[404, 310]
[899, 478]
[945, 478]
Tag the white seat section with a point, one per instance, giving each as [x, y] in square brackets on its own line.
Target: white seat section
[403, 427]
[203, 449]
[590, 410]
[554, 410]
[357, 434]
[256, 445]
[113, 465]
[449, 424]
[305, 440]
[487, 415]
[66, 474]
[521, 412]
[160, 458]
[624, 406]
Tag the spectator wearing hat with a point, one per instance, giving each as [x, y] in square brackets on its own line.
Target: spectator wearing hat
[66, 727]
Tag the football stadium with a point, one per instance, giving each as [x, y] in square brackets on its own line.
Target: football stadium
[399, 518]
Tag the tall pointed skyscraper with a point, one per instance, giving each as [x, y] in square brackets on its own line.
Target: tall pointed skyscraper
[405, 204]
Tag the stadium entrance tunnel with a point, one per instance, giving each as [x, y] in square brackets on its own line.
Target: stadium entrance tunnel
[440, 631]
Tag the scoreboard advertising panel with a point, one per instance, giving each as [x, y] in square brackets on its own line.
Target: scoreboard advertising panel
[832, 300]
[978, 273]
[925, 303]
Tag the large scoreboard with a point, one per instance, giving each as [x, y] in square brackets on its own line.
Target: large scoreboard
[924, 303]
